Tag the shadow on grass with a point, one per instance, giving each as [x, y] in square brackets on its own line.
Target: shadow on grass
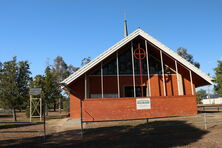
[161, 134]
[7, 125]
[5, 116]
[209, 111]
[56, 117]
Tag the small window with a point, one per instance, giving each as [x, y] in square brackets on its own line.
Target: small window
[129, 91]
[104, 95]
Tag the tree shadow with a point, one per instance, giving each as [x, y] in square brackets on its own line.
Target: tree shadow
[56, 117]
[5, 116]
[209, 111]
[163, 134]
[7, 125]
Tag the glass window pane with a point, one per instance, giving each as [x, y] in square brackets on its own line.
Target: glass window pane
[110, 68]
[125, 62]
[129, 92]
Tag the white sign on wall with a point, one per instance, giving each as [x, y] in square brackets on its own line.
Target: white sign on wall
[143, 103]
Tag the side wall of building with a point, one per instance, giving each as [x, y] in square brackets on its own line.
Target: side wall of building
[125, 108]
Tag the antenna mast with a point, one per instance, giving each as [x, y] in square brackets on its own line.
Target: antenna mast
[125, 27]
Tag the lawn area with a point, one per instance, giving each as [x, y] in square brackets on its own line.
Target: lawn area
[175, 132]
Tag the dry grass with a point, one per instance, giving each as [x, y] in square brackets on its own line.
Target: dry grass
[165, 132]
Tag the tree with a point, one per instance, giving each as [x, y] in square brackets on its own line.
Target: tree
[183, 53]
[50, 88]
[201, 94]
[1, 66]
[23, 82]
[50, 82]
[85, 61]
[14, 85]
[8, 86]
[61, 71]
[218, 78]
[37, 82]
[72, 69]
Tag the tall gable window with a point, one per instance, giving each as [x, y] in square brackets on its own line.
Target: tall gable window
[125, 65]
[110, 68]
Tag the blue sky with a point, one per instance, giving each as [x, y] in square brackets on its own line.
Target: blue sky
[40, 30]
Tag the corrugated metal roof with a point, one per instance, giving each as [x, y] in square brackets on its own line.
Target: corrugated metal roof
[124, 41]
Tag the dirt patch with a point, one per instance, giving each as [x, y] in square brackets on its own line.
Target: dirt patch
[175, 132]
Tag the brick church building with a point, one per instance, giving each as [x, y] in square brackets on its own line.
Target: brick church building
[138, 77]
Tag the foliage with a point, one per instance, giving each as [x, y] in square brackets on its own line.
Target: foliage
[85, 61]
[218, 78]
[183, 53]
[201, 94]
[9, 93]
[14, 81]
[37, 82]
[61, 71]
[49, 82]
[1, 66]
[23, 82]
[66, 104]
[51, 88]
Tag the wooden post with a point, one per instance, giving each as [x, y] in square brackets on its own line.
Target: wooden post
[163, 75]
[117, 73]
[102, 79]
[134, 83]
[148, 68]
[191, 82]
[44, 120]
[81, 120]
[85, 86]
[40, 109]
[30, 113]
[178, 84]
[205, 121]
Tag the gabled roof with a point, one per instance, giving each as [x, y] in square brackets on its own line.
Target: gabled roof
[124, 41]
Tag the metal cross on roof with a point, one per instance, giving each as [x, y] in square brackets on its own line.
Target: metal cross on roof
[139, 53]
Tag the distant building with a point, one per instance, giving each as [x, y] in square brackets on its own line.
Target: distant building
[212, 101]
[138, 77]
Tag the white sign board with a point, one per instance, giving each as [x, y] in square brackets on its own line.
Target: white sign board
[143, 103]
[35, 91]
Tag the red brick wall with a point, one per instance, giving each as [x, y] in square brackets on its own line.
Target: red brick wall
[95, 106]
[125, 108]
[74, 107]
[78, 87]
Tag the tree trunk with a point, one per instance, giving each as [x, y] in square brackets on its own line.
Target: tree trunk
[46, 110]
[14, 114]
[54, 106]
[60, 105]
